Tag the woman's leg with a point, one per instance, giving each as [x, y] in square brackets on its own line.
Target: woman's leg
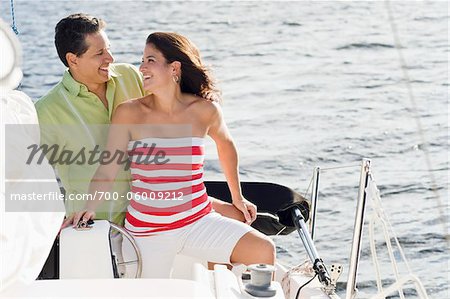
[223, 240]
[254, 248]
[225, 209]
[158, 253]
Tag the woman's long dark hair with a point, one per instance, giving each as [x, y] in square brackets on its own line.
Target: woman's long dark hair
[195, 77]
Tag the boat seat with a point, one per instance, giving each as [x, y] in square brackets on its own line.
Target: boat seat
[269, 198]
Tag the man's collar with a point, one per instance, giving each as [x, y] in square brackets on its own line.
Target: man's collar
[70, 84]
[112, 73]
[74, 87]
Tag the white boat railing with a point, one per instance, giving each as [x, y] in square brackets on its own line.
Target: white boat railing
[314, 199]
[367, 189]
[378, 219]
[358, 230]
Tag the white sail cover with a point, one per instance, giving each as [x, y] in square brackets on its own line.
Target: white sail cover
[25, 237]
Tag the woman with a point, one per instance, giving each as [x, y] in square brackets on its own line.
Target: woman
[164, 134]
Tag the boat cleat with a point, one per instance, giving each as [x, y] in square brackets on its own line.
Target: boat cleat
[335, 272]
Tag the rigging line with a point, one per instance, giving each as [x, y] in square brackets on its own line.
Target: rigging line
[14, 27]
[309, 186]
[412, 99]
[340, 167]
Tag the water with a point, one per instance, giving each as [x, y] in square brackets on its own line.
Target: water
[305, 84]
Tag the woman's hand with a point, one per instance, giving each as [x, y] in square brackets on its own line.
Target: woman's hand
[84, 215]
[247, 208]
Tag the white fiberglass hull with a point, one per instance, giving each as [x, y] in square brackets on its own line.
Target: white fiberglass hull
[220, 283]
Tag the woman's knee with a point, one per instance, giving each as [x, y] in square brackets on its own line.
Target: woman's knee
[265, 250]
[268, 247]
[254, 247]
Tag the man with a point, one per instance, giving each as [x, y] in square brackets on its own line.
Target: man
[69, 114]
[72, 113]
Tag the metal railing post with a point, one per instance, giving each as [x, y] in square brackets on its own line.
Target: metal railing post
[358, 230]
[314, 198]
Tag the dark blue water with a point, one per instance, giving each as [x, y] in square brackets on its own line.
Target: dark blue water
[306, 84]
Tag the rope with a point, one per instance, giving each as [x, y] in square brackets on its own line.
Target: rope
[327, 169]
[14, 27]
[340, 167]
[403, 66]
[304, 268]
[281, 230]
[379, 217]
[309, 186]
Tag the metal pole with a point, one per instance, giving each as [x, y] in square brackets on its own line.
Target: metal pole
[318, 265]
[358, 230]
[314, 198]
[301, 229]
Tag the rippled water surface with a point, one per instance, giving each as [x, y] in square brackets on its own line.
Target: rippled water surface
[305, 84]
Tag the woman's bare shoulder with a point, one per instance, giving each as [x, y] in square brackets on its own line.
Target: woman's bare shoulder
[128, 110]
[205, 107]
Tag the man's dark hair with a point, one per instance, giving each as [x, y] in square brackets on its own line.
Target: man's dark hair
[70, 34]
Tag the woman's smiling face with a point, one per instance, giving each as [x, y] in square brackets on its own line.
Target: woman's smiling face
[156, 71]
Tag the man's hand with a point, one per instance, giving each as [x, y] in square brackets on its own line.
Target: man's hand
[247, 208]
[73, 219]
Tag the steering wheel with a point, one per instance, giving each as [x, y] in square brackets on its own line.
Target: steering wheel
[137, 251]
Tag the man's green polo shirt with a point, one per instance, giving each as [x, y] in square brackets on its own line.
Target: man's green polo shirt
[76, 120]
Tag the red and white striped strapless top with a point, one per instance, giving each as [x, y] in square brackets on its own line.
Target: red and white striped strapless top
[167, 192]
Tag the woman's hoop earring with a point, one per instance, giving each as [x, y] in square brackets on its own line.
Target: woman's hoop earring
[176, 79]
